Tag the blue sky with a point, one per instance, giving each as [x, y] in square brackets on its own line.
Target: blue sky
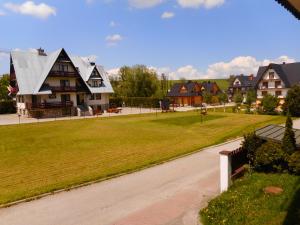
[184, 38]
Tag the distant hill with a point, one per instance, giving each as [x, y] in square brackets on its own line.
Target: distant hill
[222, 83]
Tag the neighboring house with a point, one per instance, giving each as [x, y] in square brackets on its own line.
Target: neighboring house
[240, 84]
[191, 93]
[276, 79]
[211, 87]
[292, 5]
[56, 84]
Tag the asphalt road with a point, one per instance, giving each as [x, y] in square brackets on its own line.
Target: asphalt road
[171, 193]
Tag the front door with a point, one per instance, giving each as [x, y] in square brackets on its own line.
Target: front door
[80, 99]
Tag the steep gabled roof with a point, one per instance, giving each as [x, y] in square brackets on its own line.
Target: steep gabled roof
[32, 70]
[289, 73]
[245, 81]
[190, 87]
[292, 5]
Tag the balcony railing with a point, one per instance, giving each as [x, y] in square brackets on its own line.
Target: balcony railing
[63, 74]
[49, 105]
[63, 88]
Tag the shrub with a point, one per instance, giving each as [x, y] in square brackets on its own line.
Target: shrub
[238, 98]
[289, 141]
[269, 104]
[146, 102]
[251, 143]
[7, 107]
[294, 163]
[292, 101]
[270, 157]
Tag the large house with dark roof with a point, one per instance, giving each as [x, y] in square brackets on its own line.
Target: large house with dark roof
[291, 5]
[276, 79]
[240, 84]
[56, 84]
[191, 93]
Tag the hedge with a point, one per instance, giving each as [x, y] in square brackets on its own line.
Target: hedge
[144, 102]
[7, 107]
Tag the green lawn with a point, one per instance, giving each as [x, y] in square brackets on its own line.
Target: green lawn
[43, 157]
[246, 203]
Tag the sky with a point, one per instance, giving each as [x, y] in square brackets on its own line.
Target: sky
[183, 38]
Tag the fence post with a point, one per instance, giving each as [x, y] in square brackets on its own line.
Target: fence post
[225, 170]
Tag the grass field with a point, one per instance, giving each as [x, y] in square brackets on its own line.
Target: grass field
[43, 157]
[246, 203]
[222, 83]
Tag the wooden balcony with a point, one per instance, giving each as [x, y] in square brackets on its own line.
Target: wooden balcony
[63, 88]
[49, 105]
[63, 74]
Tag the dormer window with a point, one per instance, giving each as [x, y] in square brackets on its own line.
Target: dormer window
[183, 89]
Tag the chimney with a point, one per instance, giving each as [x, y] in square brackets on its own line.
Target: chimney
[92, 63]
[283, 63]
[251, 76]
[41, 52]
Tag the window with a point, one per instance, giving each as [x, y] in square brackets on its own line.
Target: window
[95, 83]
[63, 67]
[65, 98]
[271, 75]
[265, 85]
[92, 97]
[278, 93]
[277, 84]
[64, 83]
[264, 93]
[98, 96]
[53, 96]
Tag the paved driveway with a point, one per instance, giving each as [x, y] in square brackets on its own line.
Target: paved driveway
[171, 193]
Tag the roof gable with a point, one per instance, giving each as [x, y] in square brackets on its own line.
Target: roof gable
[289, 73]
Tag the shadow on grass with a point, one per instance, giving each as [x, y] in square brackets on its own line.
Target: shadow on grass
[293, 211]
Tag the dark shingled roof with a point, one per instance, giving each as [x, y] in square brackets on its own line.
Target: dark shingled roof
[245, 81]
[289, 73]
[276, 133]
[175, 90]
[289, 6]
[208, 86]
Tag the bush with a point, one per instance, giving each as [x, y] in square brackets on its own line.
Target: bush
[144, 102]
[270, 157]
[269, 104]
[7, 107]
[294, 163]
[251, 143]
[292, 101]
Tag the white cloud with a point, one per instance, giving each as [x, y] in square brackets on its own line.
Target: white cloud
[142, 4]
[239, 65]
[167, 15]
[113, 39]
[114, 72]
[200, 3]
[42, 10]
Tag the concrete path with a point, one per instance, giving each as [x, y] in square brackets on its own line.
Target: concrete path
[168, 194]
[10, 119]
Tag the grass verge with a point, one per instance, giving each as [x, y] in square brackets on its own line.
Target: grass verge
[247, 203]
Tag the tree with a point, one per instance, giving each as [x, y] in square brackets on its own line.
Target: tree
[251, 97]
[223, 98]
[238, 98]
[251, 143]
[4, 83]
[292, 101]
[289, 141]
[269, 104]
[207, 97]
[137, 81]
